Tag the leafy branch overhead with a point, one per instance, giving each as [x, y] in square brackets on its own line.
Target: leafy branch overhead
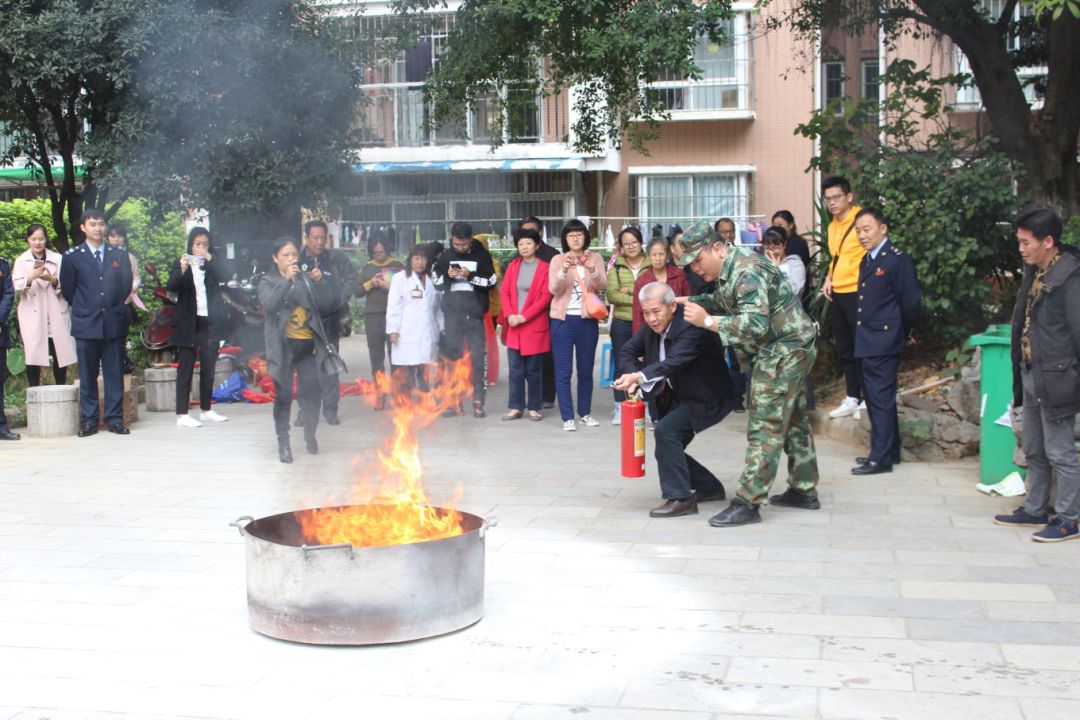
[607, 51]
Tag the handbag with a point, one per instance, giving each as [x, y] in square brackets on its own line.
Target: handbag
[332, 364]
[590, 303]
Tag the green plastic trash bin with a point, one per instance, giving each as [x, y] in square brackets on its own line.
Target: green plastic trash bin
[996, 441]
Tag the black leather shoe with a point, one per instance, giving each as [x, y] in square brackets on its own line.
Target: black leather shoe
[312, 445]
[547, 404]
[87, 430]
[455, 411]
[796, 499]
[284, 452]
[119, 430]
[871, 468]
[701, 497]
[675, 508]
[8, 435]
[736, 514]
[478, 411]
[332, 419]
[863, 460]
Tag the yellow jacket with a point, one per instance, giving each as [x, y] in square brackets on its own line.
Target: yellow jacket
[844, 267]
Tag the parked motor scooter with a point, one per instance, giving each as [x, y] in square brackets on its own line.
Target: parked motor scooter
[246, 324]
[157, 335]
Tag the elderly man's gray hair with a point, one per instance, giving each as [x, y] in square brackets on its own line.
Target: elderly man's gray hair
[657, 291]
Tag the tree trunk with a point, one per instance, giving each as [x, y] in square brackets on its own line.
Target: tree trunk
[1057, 124]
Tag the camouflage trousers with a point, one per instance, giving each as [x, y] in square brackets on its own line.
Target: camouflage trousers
[778, 422]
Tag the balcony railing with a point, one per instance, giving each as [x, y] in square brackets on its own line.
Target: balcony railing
[728, 91]
[396, 115]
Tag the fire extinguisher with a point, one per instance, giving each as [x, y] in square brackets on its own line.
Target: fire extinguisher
[633, 437]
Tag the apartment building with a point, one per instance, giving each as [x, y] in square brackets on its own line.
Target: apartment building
[729, 148]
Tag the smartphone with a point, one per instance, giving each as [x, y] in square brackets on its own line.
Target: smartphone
[198, 260]
[38, 263]
[456, 266]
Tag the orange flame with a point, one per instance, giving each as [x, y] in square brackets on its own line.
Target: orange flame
[390, 505]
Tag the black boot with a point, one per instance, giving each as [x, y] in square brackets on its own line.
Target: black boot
[312, 444]
[284, 452]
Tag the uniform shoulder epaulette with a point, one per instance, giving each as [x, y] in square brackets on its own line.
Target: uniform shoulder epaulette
[896, 250]
[70, 250]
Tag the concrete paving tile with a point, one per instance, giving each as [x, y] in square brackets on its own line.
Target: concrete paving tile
[377, 706]
[544, 712]
[828, 555]
[1038, 656]
[877, 704]
[703, 552]
[1033, 611]
[826, 586]
[1050, 708]
[819, 673]
[895, 571]
[902, 607]
[1035, 633]
[823, 625]
[691, 689]
[760, 568]
[958, 558]
[1002, 680]
[976, 591]
[911, 652]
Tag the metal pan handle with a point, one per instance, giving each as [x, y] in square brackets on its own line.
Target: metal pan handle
[313, 548]
[489, 522]
[239, 523]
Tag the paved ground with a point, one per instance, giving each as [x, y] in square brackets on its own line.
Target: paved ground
[122, 587]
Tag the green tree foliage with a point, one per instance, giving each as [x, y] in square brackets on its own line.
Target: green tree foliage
[236, 106]
[948, 195]
[608, 51]
[1043, 142]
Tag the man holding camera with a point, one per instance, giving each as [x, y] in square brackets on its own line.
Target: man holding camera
[464, 274]
[338, 271]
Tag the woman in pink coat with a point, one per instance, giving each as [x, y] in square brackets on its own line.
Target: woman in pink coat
[44, 315]
[525, 300]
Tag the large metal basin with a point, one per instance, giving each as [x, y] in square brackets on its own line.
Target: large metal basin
[341, 595]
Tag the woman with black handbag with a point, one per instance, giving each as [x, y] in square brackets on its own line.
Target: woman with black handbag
[295, 340]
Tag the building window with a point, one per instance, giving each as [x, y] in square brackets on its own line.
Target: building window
[725, 74]
[968, 94]
[420, 207]
[667, 199]
[871, 69]
[834, 85]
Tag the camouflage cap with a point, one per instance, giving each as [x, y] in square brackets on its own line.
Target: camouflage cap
[696, 238]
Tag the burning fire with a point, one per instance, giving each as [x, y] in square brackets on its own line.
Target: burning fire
[390, 505]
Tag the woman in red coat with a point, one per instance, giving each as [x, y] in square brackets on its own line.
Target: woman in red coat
[525, 301]
[661, 269]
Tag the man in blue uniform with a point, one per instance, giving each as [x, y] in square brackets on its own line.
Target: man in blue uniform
[888, 305]
[95, 279]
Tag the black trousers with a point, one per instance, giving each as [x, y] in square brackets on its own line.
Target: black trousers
[377, 343]
[329, 384]
[845, 308]
[185, 357]
[3, 379]
[408, 377]
[464, 332]
[108, 357]
[879, 389]
[547, 377]
[33, 372]
[301, 357]
[679, 473]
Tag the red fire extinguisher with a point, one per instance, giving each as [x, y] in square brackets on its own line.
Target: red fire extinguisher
[633, 438]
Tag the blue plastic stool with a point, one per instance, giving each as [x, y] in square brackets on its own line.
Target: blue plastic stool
[607, 366]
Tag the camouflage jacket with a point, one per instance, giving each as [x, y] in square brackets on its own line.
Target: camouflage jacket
[754, 308]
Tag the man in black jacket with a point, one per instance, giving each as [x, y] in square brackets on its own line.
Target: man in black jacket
[7, 299]
[1046, 375]
[343, 281]
[689, 391]
[465, 273]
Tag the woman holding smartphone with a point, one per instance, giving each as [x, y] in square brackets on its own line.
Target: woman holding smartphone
[196, 279]
[44, 315]
[375, 279]
[295, 340]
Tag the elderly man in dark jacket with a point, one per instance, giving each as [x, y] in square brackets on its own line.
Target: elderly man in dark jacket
[686, 381]
[1046, 374]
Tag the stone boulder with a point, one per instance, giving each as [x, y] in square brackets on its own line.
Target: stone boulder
[963, 395]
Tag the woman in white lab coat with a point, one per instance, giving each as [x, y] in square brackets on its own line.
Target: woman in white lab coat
[414, 320]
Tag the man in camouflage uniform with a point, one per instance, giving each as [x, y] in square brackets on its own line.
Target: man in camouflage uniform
[754, 310]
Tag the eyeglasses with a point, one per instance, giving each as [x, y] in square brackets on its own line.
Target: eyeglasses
[725, 233]
[835, 198]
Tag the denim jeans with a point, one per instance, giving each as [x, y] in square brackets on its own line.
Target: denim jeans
[526, 372]
[574, 337]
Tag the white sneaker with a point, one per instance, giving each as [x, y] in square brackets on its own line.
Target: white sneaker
[616, 417]
[589, 420]
[846, 408]
[212, 416]
[569, 426]
[187, 421]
